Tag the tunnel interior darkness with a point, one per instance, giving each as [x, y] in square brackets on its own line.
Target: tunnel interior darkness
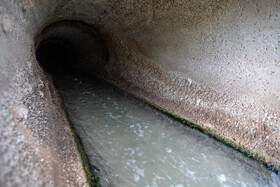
[70, 47]
[56, 55]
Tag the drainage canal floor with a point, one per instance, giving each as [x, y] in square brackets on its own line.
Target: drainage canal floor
[129, 143]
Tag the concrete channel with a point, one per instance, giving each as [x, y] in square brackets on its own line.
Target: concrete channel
[214, 65]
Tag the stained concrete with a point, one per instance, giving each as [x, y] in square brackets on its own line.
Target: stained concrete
[215, 63]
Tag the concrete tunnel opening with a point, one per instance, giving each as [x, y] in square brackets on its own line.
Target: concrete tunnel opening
[55, 55]
[70, 47]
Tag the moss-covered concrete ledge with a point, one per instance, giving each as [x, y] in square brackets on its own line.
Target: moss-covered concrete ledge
[250, 153]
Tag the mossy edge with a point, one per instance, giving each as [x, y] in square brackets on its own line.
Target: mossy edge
[92, 181]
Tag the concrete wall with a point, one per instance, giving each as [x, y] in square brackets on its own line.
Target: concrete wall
[215, 63]
[37, 147]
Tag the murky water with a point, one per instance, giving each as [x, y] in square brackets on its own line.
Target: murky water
[131, 144]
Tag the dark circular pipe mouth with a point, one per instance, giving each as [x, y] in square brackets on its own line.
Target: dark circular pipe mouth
[55, 55]
[71, 47]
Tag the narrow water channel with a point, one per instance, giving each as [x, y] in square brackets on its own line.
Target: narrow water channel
[129, 143]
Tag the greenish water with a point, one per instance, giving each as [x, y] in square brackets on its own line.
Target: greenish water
[129, 143]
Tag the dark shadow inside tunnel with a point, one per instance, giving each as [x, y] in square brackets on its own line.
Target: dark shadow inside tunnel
[71, 47]
[56, 55]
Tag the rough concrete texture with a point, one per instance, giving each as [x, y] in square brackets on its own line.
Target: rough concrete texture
[37, 147]
[215, 63]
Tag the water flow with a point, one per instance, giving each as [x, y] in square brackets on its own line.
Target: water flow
[132, 144]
